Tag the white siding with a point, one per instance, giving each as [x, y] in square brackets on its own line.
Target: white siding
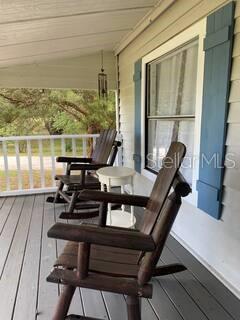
[215, 243]
[80, 72]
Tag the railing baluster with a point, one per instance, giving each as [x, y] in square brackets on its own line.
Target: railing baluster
[53, 162]
[42, 173]
[19, 173]
[94, 141]
[84, 141]
[63, 148]
[74, 147]
[27, 161]
[5, 157]
[29, 153]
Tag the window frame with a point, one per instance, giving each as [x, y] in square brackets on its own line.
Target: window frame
[197, 31]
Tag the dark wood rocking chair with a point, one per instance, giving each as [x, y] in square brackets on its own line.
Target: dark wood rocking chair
[121, 260]
[103, 155]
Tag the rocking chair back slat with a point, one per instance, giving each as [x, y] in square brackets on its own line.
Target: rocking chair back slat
[104, 146]
[164, 181]
[160, 233]
[161, 210]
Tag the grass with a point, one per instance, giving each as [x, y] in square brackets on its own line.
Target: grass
[46, 147]
[25, 179]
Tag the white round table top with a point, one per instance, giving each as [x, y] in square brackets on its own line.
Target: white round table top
[116, 172]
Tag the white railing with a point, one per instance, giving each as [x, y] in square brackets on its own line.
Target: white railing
[28, 163]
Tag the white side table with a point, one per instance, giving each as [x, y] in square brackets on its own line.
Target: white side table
[118, 177]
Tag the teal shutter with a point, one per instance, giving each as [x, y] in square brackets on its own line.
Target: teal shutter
[137, 121]
[218, 55]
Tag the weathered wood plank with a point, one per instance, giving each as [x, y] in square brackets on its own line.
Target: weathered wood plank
[207, 279]
[114, 303]
[182, 301]
[47, 292]
[9, 231]
[198, 293]
[4, 211]
[26, 301]
[147, 310]
[162, 304]
[2, 200]
[93, 304]
[12, 272]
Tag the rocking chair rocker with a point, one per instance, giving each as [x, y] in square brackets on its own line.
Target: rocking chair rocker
[121, 260]
[103, 155]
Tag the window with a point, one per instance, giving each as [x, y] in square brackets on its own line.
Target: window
[171, 101]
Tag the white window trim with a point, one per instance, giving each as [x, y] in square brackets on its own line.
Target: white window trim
[197, 30]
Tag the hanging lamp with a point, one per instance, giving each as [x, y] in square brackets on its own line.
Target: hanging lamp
[102, 82]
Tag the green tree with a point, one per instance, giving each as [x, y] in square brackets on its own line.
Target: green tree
[91, 113]
[32, 111]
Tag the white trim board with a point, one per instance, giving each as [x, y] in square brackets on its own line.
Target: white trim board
[147, 20]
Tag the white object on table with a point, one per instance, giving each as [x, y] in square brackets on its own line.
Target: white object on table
[118, 177]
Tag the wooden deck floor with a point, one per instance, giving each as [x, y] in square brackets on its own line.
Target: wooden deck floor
[27, 255]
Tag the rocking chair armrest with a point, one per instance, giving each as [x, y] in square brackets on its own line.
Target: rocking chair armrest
[111, 197]
[87, 166]
[73, 159]
[105, 236]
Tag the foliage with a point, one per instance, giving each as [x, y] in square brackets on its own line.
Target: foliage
[37, 111]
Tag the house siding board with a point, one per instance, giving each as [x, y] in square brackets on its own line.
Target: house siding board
[233, 135]
[177, 18]
[235, 69]
[234, 113]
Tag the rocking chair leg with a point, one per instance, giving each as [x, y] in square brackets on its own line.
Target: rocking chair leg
[64, 302]
[133, 308]
[72, 202]
[60, 188]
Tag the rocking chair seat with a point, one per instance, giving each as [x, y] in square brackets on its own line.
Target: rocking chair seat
[73, 182]
[105, 260]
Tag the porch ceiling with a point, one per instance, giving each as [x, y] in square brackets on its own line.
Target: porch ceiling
[33, 30]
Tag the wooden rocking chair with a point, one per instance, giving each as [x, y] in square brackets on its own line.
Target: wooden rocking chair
[121, 260]
[103, 155]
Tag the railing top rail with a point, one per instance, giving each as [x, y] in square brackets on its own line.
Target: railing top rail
[48, 137]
